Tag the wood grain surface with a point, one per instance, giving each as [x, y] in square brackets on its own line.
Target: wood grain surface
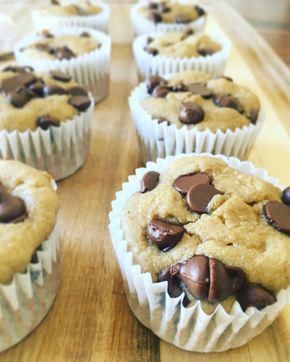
[91, 320]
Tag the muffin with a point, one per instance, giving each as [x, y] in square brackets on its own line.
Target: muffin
[76, 13]
[204, 246]
[82, 53]
[45, 120]
[193, 112]
[166, 16]
[173, 52]
[29, 253]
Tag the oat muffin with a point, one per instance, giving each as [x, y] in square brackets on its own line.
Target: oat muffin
[211, 231]
[29, 249]
[196, 100]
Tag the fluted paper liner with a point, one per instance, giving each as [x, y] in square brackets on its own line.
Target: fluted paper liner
[161, 140]
[60, 151]
[95, 21]
[142, 25]
[188, 328]
[149, 64]
[91, 70]
[25, 301]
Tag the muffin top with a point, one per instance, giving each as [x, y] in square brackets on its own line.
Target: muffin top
[29, 100]
[171, 12]
[194, 99]
[211, 231]
[60, 47]
[182, 45]
[28, 210]
[71, 8]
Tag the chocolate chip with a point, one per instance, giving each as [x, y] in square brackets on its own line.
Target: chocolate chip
[12, 208]
[50, 90]
[199, 196]
[80, 10]
[255, 295]
[20, 97]
[162, 120]
[228, 102]
[205, 51]
[163, 234]
[153, 5]
[174, 288]
[180, 87]
[200, 11]
[149, 40]
[46, 34]
[160, 91]
[81, 103]
[149, 181]
[18, 69]
[85, 34]
[225, 77]
[44, 48]
[155, 17]
[164, 8]
[44, 122]
[20, 80]
[151, 51]
[63, 53]
[60, 76]
[190, 113]
[37, 88]
[200, 89]
[184, 182]
[77, 91]
[153, 81]
[286, 196]
[182, 19]
[253, 116]
[278, 215]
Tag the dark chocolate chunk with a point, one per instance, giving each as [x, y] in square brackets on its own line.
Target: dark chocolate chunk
[200, 11]
[199, 196]
[18, 69]
[153, 81]
[60, 76]
[149, 181]
[24, 79]
[174, 288]
[12, 208]
[44, 122]
[278, 215]
[190, 113]
[85, 34]
[160, 91]
[205, 51]
[200, 89]
[228, 101]
[254, 295]
[81, 103]
[253, 116]
[63, 53]
[50, 90]
[37, 88]
[151, 51]
[165, 235]
[20, 97]
[77, 91]
[286, 196]
[155, 17]
[184, 182]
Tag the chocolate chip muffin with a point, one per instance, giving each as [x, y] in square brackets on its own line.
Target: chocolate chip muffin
[171, 12]
[196, 100]
[51, 47]
[29, 100]
[212, 232]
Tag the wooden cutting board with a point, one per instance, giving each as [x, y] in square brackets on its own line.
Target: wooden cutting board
[91, 320]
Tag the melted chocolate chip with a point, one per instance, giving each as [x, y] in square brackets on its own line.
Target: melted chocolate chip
[163, 120]
[37, 88]
[182, 19]
[12, 208]
[24, 79]
[228, 102]
[205, 51]
[17, 69]
[286, 196]
[60, 76]
[153, 5]
[50, 90]
[149, 40]
[174, 288]
[77, 91]
[153, 81]
[278, 215]
[200, 11]
[160, 91]
[199, 196]
[155, 17]
[254, 295]
[180, 87]
[200, 89]
[163, 234]
[81, 103]
[190, 113]
[151, 51]
[225, 77]
[44, 122]
[253, 116]
[184, 182]
[85, 34]
[46, 34]
[149, 181]
[63, 53]
[20, 97]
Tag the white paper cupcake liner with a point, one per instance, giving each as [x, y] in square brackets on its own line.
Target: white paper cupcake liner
[188, 328]
[142, 25]
[149, 64]
[90, 70]
[98, 22]
[29, 296]
[60, 151]
[161, 140]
